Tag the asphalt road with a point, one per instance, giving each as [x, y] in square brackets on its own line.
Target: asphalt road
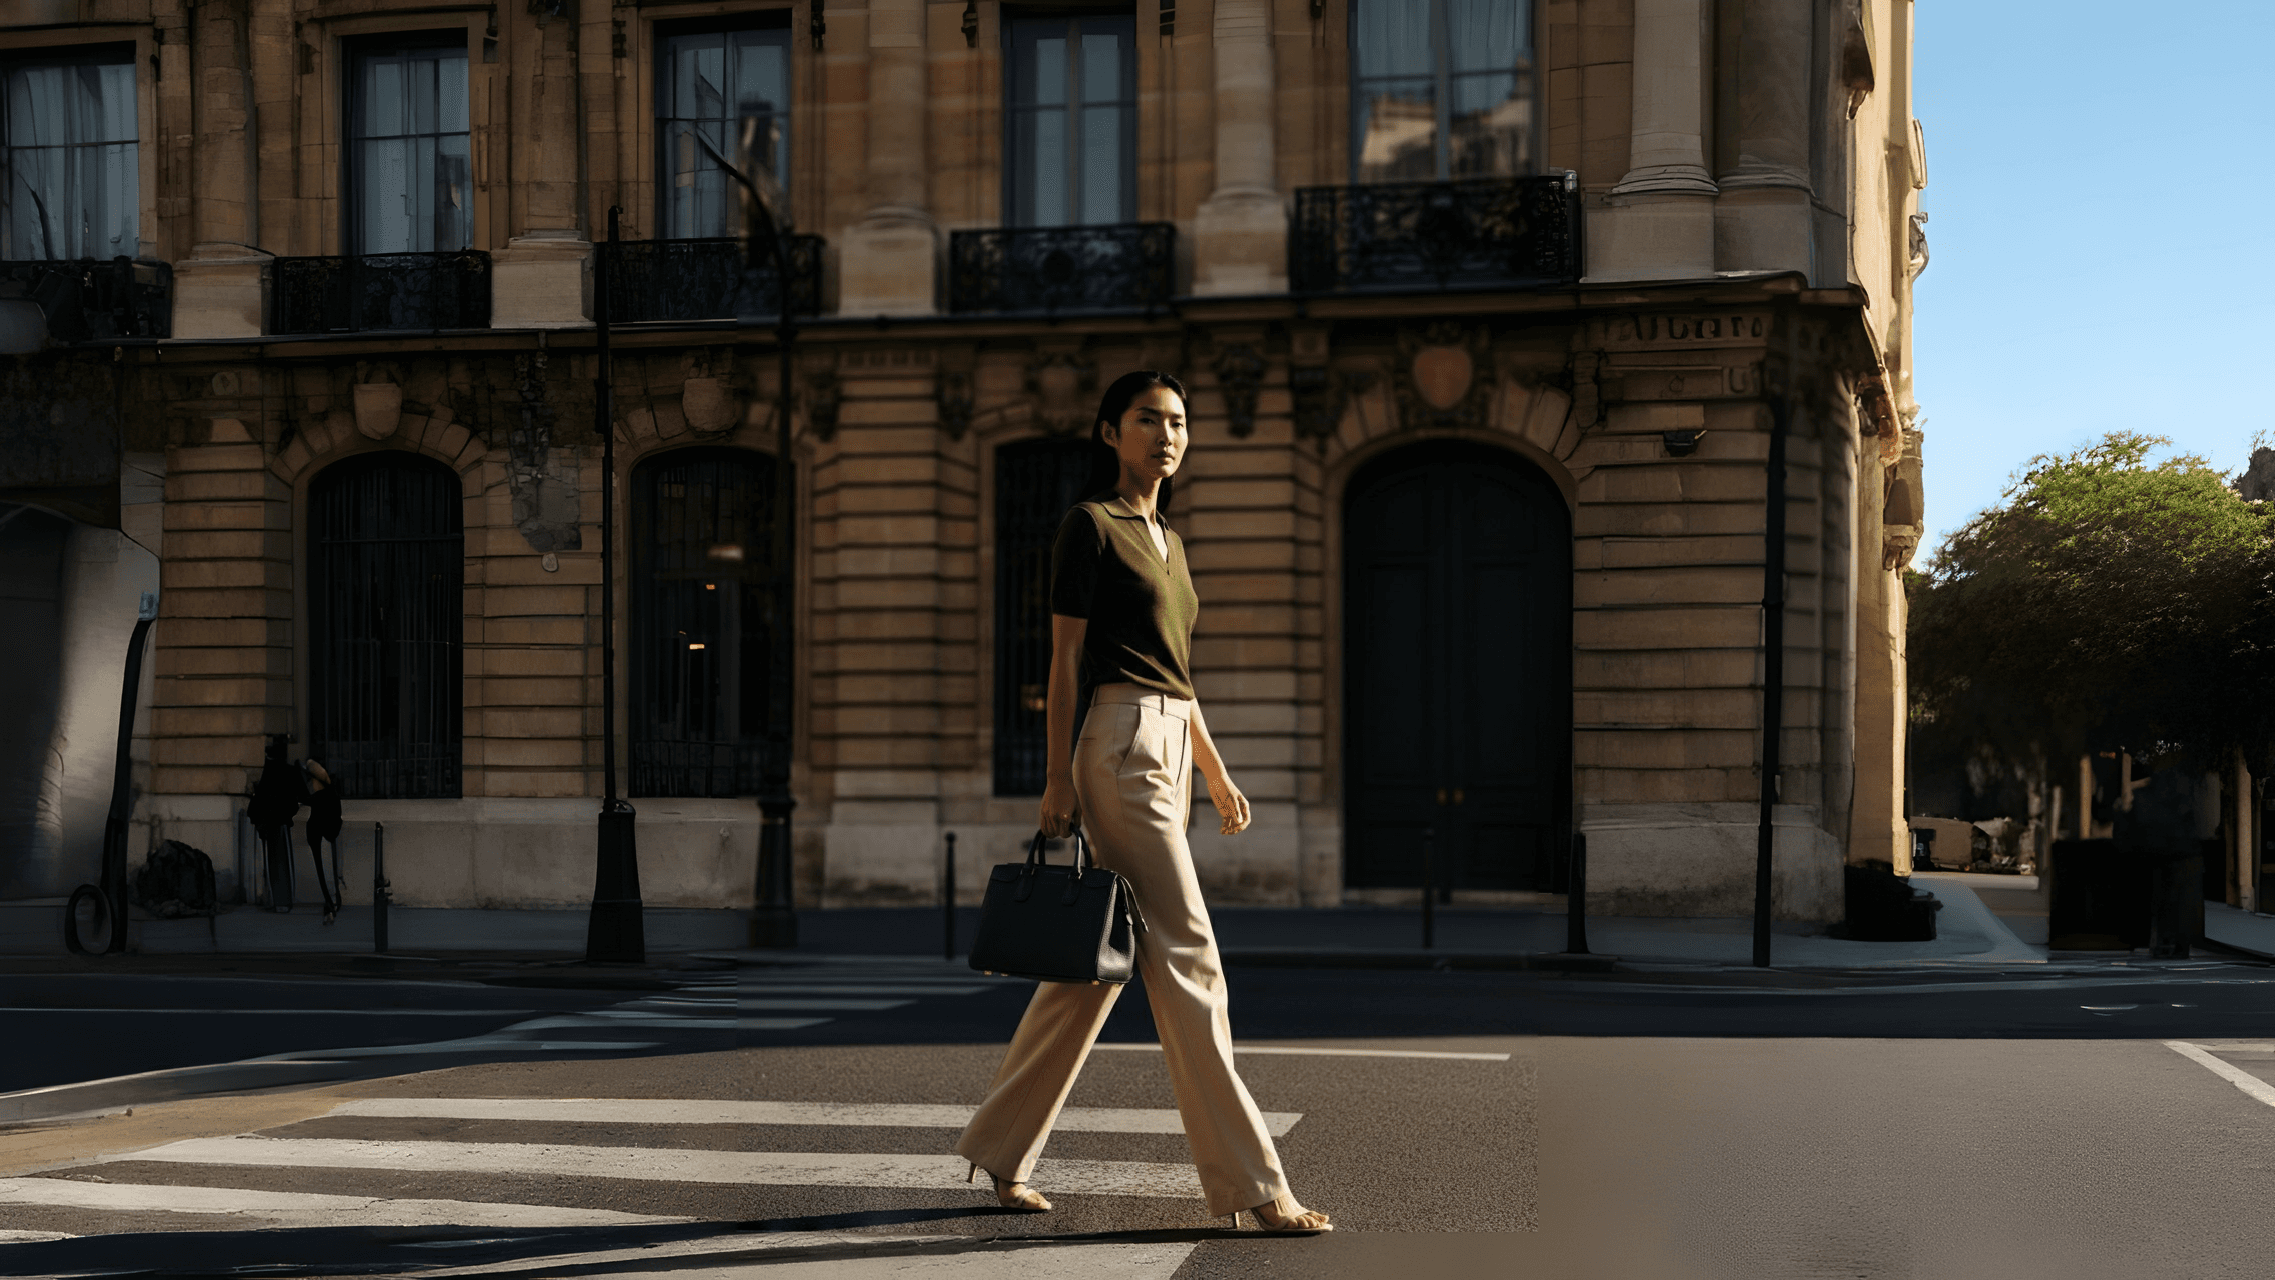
[1680, 1123]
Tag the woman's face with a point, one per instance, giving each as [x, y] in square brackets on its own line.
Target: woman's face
[1150, 440]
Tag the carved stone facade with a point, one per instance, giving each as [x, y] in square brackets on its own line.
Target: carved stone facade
[1732, 265]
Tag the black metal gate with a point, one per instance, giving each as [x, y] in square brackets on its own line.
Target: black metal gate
[1035, 482]
[702, 618]
[386, 566]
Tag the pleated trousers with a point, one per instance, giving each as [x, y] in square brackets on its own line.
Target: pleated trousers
[1133, 775]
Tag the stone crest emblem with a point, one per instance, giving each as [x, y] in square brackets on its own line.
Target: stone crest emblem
[1444, 376]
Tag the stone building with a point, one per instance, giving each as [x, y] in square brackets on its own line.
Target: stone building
[1490, 311]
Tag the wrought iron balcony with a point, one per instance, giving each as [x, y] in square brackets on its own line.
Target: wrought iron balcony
[1128, 266]
[374, 292]
[96, 300]
[1494, 232]
[707, 280]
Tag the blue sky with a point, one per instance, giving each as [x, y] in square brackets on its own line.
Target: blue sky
[2102, 231]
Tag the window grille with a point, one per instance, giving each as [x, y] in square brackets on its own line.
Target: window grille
[1071, 111]
[1441, 89]
[386, 569]
[410, 175]
[71, 142]
[1036, 481]
[702, 621]
[710, 77]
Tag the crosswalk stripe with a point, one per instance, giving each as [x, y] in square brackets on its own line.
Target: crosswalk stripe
[847, 1005]
[950, 1256]
[1309, 1052]
[861, 989]
[655, 1164]
[714, 1111]
[475, 1044]
[303, 1208]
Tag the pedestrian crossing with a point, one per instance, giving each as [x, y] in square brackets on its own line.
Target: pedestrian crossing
[708, 1009]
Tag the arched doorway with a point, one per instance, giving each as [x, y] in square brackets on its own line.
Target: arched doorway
[702, 537]
[386, 572]
[1457, 691]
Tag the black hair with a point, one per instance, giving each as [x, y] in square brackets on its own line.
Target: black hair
[1105, 465]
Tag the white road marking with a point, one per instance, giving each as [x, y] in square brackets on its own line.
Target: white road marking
[860, 989]
[849, 1005]
[708, 1111]
[472, 1044]
[654, 1164]
[2252, 1085]
[12, 1236]
[305, 1209]
[302, 1013]
[1004, 1260]
[1330, 1053]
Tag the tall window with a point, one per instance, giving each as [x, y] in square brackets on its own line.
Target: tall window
[709, 79]
[1072, 112]
[73, 162]
[386, 575]
[702, 621]
[1035, 482]
[1441, 89]
[409, 168]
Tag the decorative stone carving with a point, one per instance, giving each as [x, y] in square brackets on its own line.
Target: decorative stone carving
[378, 409]
[1444, 376]
[708, 404]
[952, 392]
[1061, 383]
[1239, 368]
[1587, 389]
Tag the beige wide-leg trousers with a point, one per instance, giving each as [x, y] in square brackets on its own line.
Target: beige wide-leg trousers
[1133, 775]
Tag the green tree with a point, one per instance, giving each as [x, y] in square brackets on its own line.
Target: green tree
[2108, 602]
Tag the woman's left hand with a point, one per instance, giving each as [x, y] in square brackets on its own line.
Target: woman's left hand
[1230, 804]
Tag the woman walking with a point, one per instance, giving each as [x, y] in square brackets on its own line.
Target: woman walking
[1122, 608]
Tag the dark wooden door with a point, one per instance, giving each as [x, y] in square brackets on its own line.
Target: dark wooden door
[1457, 670]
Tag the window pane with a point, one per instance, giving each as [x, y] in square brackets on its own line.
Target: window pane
[1044, 165]
[72, 166]
[1102, 171]
[1050, 70]
[709, 82]
[1492, 125]
[1101, 66]
[412, 169]
[1391, 38]
[1487, 35]
[1397, 131]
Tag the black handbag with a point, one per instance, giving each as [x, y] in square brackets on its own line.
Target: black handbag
[1076, 923]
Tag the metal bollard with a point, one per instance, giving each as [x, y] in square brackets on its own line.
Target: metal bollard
[379, 888]
[1576, 899]
[948, 902]
[1429, 888]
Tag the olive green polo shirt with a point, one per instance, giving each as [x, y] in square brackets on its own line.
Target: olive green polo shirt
[1140, 604]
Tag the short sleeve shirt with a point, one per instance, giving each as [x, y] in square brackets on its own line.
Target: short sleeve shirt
[1139, 603]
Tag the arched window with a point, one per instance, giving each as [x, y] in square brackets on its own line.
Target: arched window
[1035, 482]
[702, 618]
[386, 569]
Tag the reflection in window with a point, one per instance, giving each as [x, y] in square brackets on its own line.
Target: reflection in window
[708, 80]
[408, 148]
[1073, 121]
[73, 164]
[1441, 89]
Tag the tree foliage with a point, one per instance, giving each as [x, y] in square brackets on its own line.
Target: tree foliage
[2109, 602]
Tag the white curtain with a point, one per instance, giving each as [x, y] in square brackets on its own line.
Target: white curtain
[73, 169]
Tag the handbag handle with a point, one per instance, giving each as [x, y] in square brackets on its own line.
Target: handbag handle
[1082, 857]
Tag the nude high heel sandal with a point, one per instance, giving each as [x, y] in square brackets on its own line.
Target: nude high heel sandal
[1014, 1195]
[1284, 1217]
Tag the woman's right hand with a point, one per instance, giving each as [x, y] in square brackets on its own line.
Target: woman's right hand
[1061, 810]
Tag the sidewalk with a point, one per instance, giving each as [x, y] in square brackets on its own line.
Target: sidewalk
[1339, 937]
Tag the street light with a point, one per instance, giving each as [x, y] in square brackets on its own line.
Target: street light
[766, 243]
[615, 931]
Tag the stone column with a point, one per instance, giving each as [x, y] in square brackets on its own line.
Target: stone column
[540, 278]
[218, 289]
[1240, 233]
[889, 259]
[1762, 222]
[1659, 223]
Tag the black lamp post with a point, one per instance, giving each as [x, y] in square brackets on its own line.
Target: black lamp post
[616, 931]
[766, 244]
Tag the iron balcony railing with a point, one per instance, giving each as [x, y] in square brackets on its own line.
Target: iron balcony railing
[380, 291]
[94, 299]
[1492, 232]
[1128, 266]
[707, 280]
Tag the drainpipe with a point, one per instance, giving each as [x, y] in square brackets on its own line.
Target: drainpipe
[1773, 648]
